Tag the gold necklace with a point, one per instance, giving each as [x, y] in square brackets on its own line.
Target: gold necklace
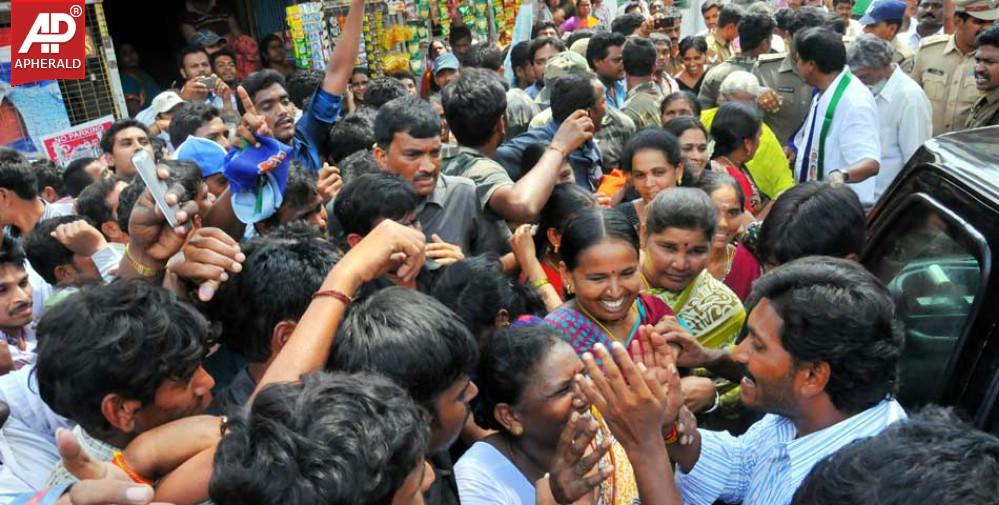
[634, 308]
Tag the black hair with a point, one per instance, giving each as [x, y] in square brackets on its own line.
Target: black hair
[834, 311]
[358, 163]
[734, 123]
[158, 145]
[685, 96]
[187, 50]
[411, 338]
[353, 132]
[459, 32]
[92, 202]
[473, 106]
[518, 54]
[989, 37]
[683, 208]
[221, 52]
[107, 140]
[541, 25]
[370, 198]
[537, 44]
[302, 84]
[696, 42]
[755, 29]
[188, 118]
[589, 227]
[406, 115]
[373, 437]
[821, 46]
[259, 80]
[806, 17]
[301, 191]
[11, 252]
[680, 124]
[784, 19]
[383, 90]
[126, 201]
[579, 35]
[566, 200]
[627, 24]
[360, 70]
[600, 45]
[275, 285]
[639, 57]
[403, 74]
[730, 14]
[264, 42]
[931, 457]
[712, 181]
[532, 155]
[485, 55]
[834, 23]
[123, 338]
[8, 155]
[75, 178]
[710, 4]
[44, 252]
[188, 174]
[571, 93]
[509, 362]
[655, 139]
[477, 290]
[18, 176]
[813, 218]
[837, 2]
[49, 175]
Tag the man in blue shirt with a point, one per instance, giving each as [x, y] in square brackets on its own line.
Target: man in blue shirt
[820, 359]
[266, 90]
[605, 55]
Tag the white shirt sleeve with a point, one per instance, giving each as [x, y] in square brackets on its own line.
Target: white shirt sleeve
[859, 137]
[724, 468]
[916, 122]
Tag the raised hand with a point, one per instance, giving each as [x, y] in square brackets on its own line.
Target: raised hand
[101, 483]
[80, 237]
[194, 89]
[330, 182]
[390, 248]
[252, 124]
[151, 239]
[576, 130]
[209, 256]
[443, 252]
[574, 473]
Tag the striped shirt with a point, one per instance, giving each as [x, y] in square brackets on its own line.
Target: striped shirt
[767, 464]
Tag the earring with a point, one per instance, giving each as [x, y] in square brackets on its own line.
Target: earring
[568, 289]
[517, 430]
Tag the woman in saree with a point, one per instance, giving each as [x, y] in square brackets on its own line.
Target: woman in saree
[600, 265]
[679, 229]
[527, 395]
[730, 261]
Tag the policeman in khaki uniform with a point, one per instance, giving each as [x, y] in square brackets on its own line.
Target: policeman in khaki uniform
[985, 112]
[945, 64]
[615, 128]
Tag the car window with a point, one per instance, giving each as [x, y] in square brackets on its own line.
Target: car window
[928, 260]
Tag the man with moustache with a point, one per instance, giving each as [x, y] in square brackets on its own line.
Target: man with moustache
[18, 334]
[985, 112]
[945, 64]
[820, 359]
[929, 17]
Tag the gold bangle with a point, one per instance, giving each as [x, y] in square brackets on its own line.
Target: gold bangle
[143, 270]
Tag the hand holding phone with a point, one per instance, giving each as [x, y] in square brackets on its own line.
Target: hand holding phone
[146, 167]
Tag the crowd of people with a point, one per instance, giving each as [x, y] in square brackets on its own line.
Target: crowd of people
[603, 265]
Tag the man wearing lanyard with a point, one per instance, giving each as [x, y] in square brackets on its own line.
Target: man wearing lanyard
[839, 140]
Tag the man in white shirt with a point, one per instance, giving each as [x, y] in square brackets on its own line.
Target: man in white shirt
[905, 113]
[928, 22]
[839, 140]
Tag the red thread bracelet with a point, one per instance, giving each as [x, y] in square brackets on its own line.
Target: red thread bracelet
[332, 293]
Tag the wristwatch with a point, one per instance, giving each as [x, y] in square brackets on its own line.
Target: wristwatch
[844, 173]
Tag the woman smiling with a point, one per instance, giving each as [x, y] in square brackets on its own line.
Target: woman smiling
[600, 264]
[652, 159]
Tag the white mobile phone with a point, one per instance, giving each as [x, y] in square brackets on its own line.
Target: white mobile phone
[146, 167]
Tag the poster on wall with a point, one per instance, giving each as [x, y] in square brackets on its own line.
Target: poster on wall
[28, 111]
[79, 141]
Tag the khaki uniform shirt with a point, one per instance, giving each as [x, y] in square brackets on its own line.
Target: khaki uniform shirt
[778, 72]
[642, 105]
[948, 78]
[985, 112]
[718, 50]
[708, 96]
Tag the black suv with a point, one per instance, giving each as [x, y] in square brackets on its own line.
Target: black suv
[930, 240]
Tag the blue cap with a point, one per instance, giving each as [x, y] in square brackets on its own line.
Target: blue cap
[257, 178]
[884, 10]
[206, 38]
[208, 154]
[445, 61]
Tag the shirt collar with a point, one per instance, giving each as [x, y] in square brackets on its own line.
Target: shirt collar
[890, 91]
[952, 46]
[645, 87]
[437, 197]
[992, 96]
[805, 452]
[787, 64]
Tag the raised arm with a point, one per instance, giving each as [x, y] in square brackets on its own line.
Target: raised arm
[342, 60]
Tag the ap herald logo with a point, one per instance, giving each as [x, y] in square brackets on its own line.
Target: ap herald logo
[48, 40]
